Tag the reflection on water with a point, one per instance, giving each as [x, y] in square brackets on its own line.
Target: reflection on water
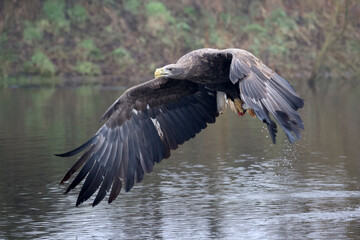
[228, 182]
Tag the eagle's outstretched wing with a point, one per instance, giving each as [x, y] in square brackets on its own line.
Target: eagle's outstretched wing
[141, 128]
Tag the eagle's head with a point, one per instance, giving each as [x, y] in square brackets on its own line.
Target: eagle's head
[175, 71]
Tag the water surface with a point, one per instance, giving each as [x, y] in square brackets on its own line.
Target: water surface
[229, 182]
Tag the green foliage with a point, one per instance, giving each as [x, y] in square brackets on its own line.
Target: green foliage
[44, 25]
[353, 46]
[108, 29]
[31, 33]
[193, 42]
[87, 44]
[214, 37]
[54, 9]
[226, 18]
[159, 18]
[87, 68]
[3, 39]
[256, 46]
[120, 53]
[78, 14]
[132, 6]
[282, 29]
[275, 37]
[156, 8]
[277, 49]
[123, 59]
[279, 20]
[7, 56]
[190, 12]
[183, 26]
[55, 12]
[41, 64]
[256, 28]
[88, 50]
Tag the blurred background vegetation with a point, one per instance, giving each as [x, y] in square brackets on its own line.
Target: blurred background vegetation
[121, 42]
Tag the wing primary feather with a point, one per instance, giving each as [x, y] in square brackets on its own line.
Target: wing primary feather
[131, 165]
[263, 114]
[90, 177]
[96, 176]
[204, 113]
[155, 144]
[180, 130]
[110, 169]
[116, 188]
[175, 130]
[200, 124]
[105, 186]
[92, 140]
[147, 139]
[295, 101]
[78, 164]
[168, 132]
[145, 161]
[117, 184]
[108, 176]
[187, 111]
[137, 141]
[186, 122]
[125, 174]
[182, 124]
[85, 170]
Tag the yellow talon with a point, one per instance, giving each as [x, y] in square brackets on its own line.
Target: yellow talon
[238, 106]
[251, 112]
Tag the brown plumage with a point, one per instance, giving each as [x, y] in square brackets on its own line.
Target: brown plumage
[152, 118]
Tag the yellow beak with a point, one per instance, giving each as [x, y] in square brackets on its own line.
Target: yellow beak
[159, 72]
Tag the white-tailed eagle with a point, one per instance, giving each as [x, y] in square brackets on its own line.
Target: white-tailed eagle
[149, 120]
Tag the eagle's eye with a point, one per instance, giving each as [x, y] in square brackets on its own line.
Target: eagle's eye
[170, 69]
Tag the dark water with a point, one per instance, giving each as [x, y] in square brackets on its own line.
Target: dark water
[229, 182]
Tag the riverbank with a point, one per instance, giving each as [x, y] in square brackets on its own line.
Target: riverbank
[57, 81]
[128, 39]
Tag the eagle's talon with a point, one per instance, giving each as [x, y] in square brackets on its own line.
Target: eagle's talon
[252, 113]
[238, 106]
